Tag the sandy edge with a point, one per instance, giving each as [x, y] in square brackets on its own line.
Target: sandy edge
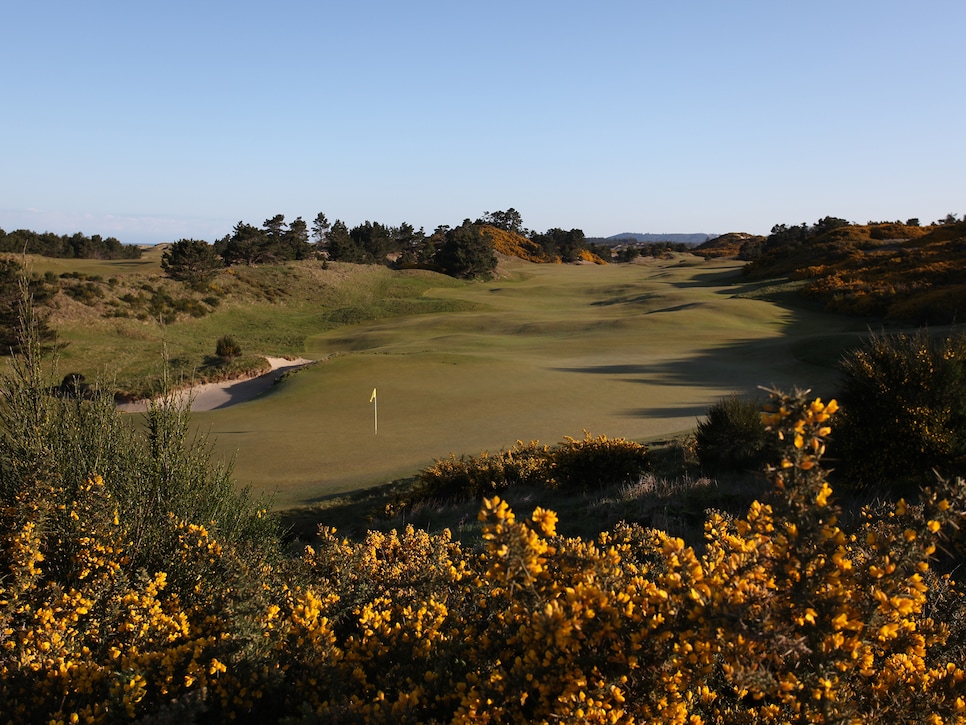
[211, 396]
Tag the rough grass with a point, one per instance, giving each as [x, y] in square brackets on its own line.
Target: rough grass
[115, 335]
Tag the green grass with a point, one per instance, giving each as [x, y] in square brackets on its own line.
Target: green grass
[270, 311]
[637, 351]
[149, 263]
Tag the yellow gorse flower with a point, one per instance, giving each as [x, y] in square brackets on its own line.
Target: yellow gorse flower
[783, 615]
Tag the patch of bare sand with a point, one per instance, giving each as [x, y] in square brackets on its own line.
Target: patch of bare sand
[212, 396]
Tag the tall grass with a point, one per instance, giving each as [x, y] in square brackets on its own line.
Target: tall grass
[65, 438]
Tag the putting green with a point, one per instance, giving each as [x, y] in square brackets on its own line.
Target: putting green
[638, 351]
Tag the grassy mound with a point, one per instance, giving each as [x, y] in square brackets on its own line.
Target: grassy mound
[124, 319]
[891, 271]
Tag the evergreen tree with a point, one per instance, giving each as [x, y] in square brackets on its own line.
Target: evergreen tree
[274, 248]
[510, 220]
[78, 246]
[467, 253]
[191, 260]
[341, 247]
[296, 240]
[375, 239]
[245, 245]
[567, 245]
[409, 242]
[320, 230]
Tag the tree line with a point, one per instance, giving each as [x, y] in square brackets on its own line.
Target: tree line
[74, 246]
[465, 251]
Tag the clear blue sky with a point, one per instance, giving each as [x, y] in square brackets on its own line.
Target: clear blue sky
[154, 121]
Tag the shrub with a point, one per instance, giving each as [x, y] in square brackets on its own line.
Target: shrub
[19, 290]
[786, 616]
[226, 348]
[732, 437]
[904, 405]
[595, 462]
[112, 610]
[131, 567]
[589, 463]
[100, 638]
[151, 471]
[464, 477]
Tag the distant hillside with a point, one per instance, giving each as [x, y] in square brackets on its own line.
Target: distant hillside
[625, 237]
[733, 244]
[894, 271]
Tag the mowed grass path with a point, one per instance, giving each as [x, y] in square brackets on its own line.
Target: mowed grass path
[638, 351]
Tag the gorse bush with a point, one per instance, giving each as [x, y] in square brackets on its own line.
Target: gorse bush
[572, 464]
[904, 405]
[596, 461]
[786, 614]
[465, 477]
[88, 635]
[161, 470]
[115, 596]
[784, 617]
[732, 436]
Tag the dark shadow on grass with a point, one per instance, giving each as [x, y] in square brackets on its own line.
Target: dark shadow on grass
[677, 308]
[741, 366]
[629, 369]
[251, 388]
[717, 278]
[806, 355]
[696, 411]
[782, 291]
[623, 300]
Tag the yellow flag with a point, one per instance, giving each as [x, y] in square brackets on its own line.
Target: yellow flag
[373, 396]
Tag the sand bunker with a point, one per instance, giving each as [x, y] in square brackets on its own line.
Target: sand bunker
[212, 396]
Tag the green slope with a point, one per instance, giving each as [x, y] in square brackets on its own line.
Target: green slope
[637, 351]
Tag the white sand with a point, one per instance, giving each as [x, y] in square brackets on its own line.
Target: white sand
[212, 396]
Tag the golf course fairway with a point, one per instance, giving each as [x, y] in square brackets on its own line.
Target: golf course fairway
[635, 350]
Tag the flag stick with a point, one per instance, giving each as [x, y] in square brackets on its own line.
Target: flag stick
[375, 412]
